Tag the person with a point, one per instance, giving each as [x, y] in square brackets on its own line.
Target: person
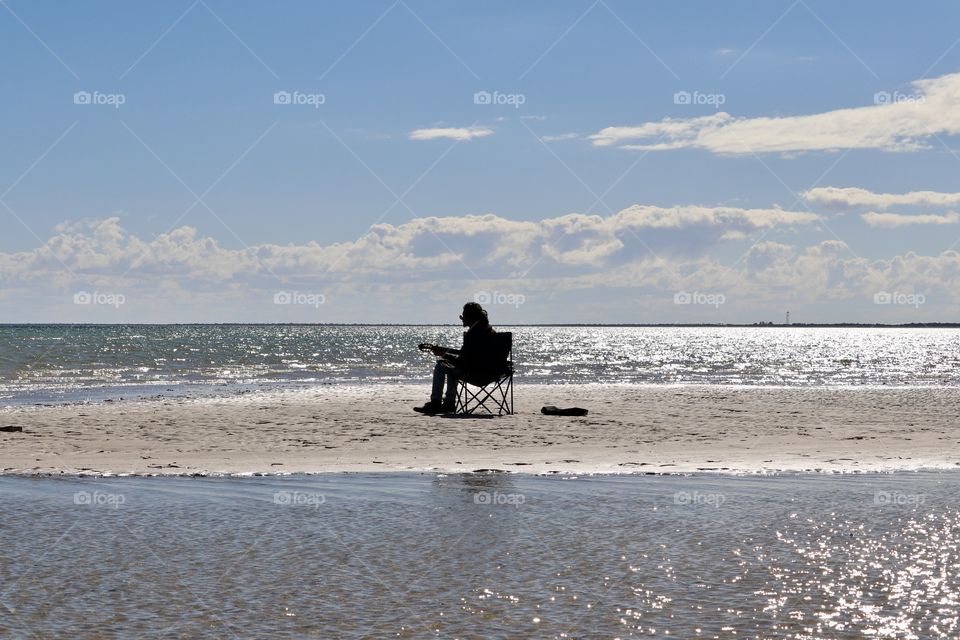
[471, 359]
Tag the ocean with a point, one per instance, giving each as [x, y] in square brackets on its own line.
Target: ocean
[474, 555]
[62, 363]
[482, 556]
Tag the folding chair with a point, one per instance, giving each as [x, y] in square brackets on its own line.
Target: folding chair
[494, 391]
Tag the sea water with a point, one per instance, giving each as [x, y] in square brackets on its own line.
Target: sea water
[481, 556]
[71, 363]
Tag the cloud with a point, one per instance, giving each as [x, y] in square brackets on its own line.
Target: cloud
[840, 198]
[896, 122]
[420, 248]
[452, 133]
[410, 271]
[895, 220]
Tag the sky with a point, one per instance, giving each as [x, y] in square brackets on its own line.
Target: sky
[557, 161]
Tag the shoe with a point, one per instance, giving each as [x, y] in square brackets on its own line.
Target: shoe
[432, 408]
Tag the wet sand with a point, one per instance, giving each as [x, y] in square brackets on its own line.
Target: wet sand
[630, 429]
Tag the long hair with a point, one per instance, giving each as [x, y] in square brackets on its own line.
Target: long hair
[474, 311]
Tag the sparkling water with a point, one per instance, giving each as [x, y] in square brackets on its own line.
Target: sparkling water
[67, 363]
[482, 556]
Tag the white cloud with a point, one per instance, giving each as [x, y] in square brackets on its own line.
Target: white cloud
[452, 133]
[411, 270]
[853, 198]
[895, 220]
[418, 248]
[897, 122]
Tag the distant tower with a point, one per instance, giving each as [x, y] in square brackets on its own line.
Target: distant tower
[788, 317]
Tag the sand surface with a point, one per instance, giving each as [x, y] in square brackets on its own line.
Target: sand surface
[630, 429]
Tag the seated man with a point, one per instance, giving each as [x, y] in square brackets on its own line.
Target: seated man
[471, 361]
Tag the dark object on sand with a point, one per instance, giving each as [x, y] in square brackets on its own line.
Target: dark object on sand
[551, 410]
[12, 429]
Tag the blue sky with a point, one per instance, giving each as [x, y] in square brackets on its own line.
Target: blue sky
[200, 199]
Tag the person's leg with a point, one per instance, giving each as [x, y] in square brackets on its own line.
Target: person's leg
[454, 375]
[439, 376]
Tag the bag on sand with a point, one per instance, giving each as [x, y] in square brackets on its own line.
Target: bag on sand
[551, 410]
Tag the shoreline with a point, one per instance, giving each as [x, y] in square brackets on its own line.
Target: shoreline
[372, 429]
[759, 324]
[199, 393]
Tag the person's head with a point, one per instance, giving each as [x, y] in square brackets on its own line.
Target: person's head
[472, 311]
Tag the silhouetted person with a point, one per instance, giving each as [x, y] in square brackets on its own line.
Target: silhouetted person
[471, 359]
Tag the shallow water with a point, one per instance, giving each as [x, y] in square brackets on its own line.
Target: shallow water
[470, 556]
[54, 363]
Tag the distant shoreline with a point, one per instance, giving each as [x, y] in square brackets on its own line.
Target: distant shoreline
[720, 325]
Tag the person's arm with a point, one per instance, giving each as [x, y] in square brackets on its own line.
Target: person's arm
[445, 351]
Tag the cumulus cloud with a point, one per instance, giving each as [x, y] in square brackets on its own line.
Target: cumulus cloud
[895, 220]
[840, 198]
[896, 122]
[419, 248]
[426, 260]
[451, 133]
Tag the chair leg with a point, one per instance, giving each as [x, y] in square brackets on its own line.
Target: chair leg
[496, 393]
[488, 394]
[468, 401]
[499, 393]
[462, 399]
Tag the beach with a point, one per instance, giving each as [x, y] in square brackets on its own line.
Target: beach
[372, 428]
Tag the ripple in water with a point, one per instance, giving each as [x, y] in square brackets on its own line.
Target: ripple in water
[358, 556]
[51, 363]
